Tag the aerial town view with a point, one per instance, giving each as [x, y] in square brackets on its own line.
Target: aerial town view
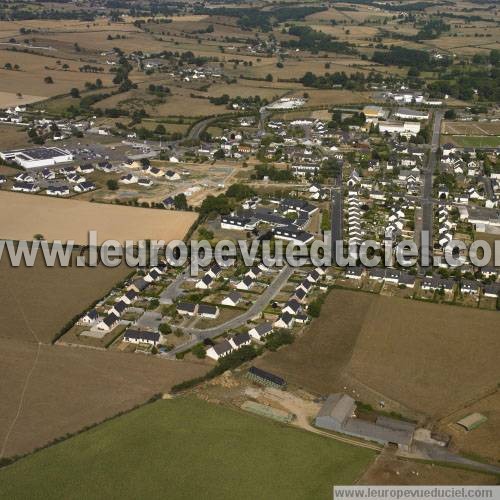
[249, 249]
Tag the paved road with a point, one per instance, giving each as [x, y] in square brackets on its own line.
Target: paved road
[258, 306]
[427, 202]
[196, 130]
[337, 214]
[439, 454]
[173, 291]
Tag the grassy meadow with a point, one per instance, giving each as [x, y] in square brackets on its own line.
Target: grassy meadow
[184, 449]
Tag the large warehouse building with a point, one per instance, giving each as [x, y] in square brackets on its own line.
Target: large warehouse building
[37, 157]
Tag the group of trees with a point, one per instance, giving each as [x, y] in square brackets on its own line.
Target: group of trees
[272, 173]
[265, 20]
[355, 81]
[224, 203]
[402, 56]
[315, 41]
[483, 83]
[88, 68]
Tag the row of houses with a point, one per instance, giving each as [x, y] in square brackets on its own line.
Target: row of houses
[122, 304]
[446, 227]
[392, 276]
[427, 283]
[293, 311]
[354, 219]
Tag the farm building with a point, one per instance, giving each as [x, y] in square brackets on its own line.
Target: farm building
[472, 421]
[268, 411]
[338, 414]
[265, 378]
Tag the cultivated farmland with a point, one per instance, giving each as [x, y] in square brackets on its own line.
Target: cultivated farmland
[36, 302]
[181, 446]
[425, 358]
[72, 219]
[70, 388]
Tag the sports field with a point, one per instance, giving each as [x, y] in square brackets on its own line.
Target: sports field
[185, 449]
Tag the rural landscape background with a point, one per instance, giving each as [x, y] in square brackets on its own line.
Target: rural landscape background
[179, 120]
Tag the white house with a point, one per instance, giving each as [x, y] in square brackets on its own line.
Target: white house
[285, 320]
[205, 283]
[138, 337]
[261, 331]
[220, 350]
[108, 323]
[208, 311]
[240, 340]
[232, 299]
[246, 283]
[89, 318]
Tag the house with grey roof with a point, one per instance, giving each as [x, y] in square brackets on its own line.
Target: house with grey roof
[138, 337]
[240, 340]
[220, 350]
[261, 331]
[208, 311]
[232, 299]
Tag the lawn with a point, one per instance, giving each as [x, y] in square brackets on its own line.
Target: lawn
[187, 448]
[477, 141]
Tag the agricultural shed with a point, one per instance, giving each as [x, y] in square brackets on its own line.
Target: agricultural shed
[472, 421]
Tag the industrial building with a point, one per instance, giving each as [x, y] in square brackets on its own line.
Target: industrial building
[37, 157]
[338, 414]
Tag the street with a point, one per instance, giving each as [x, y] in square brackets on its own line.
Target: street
[427, 202]
[337, 215]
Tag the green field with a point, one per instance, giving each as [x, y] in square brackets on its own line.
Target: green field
[186, 448]
[473, 141]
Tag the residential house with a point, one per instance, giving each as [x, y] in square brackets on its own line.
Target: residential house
[89, 318]
[138, 285]
[84, 187]
[285, 320]
[108, 323]
[208, 311]
[186, 308]
[118, 308]
[240, 340]
[205, 283]
[220, 350]
[246, 283]
[138, 337]
[232, 299]
[260, 331]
